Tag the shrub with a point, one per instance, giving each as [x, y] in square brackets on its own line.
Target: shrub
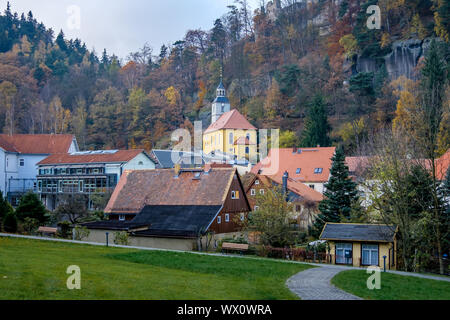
[30, 206]
[30, 225]
[5, 208]
[65, 230]
[81, 233]
[121, 238]
[10, 223]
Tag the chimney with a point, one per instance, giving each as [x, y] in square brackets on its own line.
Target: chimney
[285, 182]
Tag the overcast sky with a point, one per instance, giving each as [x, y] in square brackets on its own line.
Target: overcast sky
[123, 26]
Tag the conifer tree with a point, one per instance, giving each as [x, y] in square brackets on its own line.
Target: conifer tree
[316, 125]
[31, 207]
[5, 209]
[340, 193]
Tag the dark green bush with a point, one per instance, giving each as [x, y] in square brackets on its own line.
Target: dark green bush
[10, 223]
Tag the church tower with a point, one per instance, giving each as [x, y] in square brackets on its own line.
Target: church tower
[221, 104]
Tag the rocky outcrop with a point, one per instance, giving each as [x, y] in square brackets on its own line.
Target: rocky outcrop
[401, 61]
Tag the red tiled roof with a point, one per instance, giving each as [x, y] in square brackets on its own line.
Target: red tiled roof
[442, 166]
[67, 158]
[300, 188]
[307, 159]
[36, 143]
[231, 120]
[243, 141]
[136, 189]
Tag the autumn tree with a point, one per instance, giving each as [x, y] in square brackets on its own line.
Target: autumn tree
[8, 93]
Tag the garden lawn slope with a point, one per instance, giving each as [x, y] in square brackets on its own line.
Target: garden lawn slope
[33, 269]
[393, 286]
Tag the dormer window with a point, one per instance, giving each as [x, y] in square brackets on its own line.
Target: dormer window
[122, 217]
[318, 170]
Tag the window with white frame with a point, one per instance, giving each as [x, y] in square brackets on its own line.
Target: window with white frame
[253, 192]
[256, 208]
[256, 182]
[122, 217]
[22, 162]
[242, 216]
[235, 195]
[370, 255]
[318, 170]
[261, 191]
[219, 220]
[227, 217]
[344, 253]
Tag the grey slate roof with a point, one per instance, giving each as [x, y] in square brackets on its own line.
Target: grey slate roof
[358, 232]
[114, 225]
[176, 221]
[164, 159]
[222, 100]
[164, 221]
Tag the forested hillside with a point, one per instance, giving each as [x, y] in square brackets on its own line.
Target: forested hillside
[288, 66]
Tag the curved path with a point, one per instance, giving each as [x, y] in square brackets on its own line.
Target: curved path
[314, 284]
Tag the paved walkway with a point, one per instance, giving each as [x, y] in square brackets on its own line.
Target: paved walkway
[315, 284]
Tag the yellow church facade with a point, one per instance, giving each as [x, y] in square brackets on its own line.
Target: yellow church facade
[230, 132]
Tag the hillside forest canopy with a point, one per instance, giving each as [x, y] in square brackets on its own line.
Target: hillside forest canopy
[293, 68]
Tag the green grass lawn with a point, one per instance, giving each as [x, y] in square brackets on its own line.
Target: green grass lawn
[393, 287]
[32, 269]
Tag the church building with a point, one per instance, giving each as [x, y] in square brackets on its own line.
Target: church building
[230, 132]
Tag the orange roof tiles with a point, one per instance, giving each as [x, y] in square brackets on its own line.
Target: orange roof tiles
[243, 141]
[231, 120]
[300, 188]
[136, 189]
[67, 158]
[442, 166]
[36, 143]
[307, 160]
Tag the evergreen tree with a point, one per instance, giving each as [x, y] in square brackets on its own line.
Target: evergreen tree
[316, 125]
[340, 193]
[218, 39]
[31, 207]
[61, 42]
[5, 208]
[10, 223]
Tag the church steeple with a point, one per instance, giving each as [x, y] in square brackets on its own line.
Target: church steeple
[221, 104]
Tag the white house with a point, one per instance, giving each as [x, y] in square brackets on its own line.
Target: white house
[87, 173]
[19, 154]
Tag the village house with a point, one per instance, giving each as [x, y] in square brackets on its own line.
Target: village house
[86, 173]
[310, 166]
[230, 132]
[175, 208]
[19, 155]
[359, 165]
[303, 199]
[361, 245]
